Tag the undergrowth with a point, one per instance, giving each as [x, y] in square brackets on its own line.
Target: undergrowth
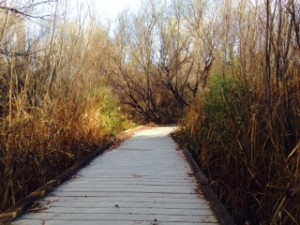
[248, 148]
[38, 143]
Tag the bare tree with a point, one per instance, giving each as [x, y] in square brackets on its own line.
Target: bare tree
[134, 64]
[167, 46]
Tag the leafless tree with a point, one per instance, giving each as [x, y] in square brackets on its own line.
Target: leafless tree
[165, 46]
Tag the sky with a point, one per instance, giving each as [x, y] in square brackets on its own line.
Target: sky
[109, 9]
[104, 11]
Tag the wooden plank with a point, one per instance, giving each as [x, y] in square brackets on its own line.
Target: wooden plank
[137, 181]
[121, 217]
[174, 200]
[115, 194]
[133, 188]
[139, 211]
[161, 205]
[96, 222]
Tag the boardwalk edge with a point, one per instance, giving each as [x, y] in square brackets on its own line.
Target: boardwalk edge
[220, 211]
[23, 204]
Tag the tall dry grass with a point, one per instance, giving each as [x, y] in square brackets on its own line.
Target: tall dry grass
[54, 106]
[249, 151]
[245, 129]
[40, 144]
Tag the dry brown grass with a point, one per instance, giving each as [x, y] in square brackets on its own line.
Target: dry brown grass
[40, 143]
[54, 106]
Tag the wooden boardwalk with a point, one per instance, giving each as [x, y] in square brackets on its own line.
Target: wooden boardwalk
[144, 181]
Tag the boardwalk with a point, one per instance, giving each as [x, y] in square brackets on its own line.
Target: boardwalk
[144, 181]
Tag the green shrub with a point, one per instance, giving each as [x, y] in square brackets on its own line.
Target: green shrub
[224, 111]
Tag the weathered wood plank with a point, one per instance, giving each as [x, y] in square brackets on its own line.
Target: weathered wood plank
[139, 211]
[173, 199]
[133, 188]
[118, 194]
[96, 222]
[161, 205]
[121, 217]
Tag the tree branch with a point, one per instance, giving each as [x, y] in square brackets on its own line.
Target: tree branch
[16, 11]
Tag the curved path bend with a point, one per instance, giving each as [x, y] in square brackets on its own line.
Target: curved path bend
[144, 181]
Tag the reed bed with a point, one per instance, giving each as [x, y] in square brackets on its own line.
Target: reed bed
[250, 150]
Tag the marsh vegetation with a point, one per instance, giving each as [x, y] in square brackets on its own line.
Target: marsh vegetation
[227, 71]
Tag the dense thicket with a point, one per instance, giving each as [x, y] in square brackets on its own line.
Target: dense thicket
[54, 106]
[245, 129]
